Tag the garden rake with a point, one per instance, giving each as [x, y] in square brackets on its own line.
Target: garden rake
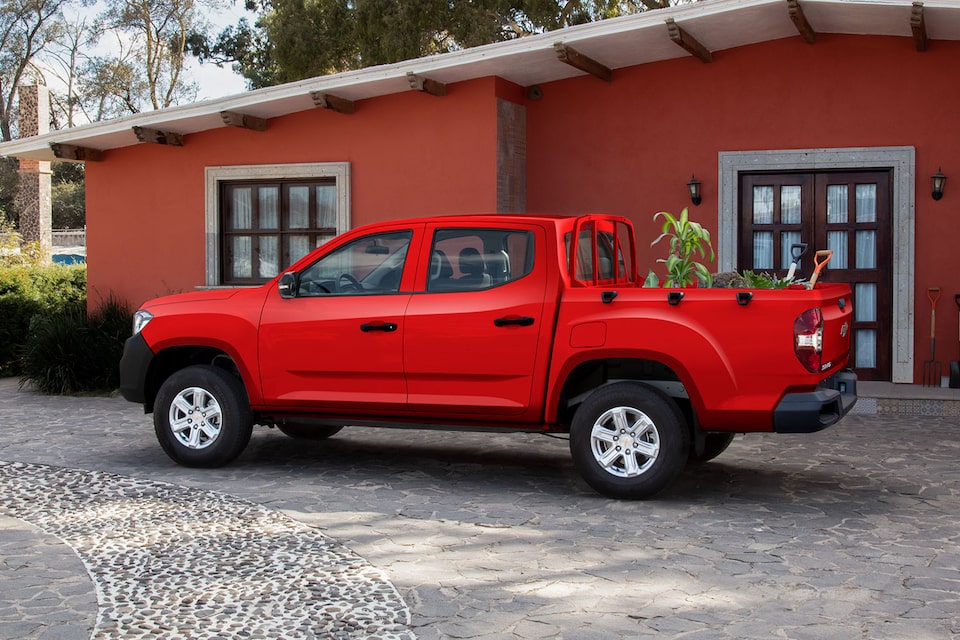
[932, 367]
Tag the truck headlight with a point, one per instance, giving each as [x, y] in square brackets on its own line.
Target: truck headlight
[140, 320]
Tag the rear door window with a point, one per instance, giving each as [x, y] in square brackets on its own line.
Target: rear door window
[475, 259]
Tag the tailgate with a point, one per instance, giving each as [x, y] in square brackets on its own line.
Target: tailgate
[837, 310]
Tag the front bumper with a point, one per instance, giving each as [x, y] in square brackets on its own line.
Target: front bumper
[134, 366]
[817, 410]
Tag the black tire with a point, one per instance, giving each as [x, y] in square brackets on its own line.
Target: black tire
[307, 431]
[644, 417]
[713, 445]
[202, 417]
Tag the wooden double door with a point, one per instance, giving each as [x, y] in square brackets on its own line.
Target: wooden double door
[848, 213]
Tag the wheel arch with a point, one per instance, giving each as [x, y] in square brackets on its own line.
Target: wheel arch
[587, 376]
[173, 359]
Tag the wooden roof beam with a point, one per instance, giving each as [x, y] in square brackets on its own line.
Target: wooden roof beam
[334, 103]
[688, 42]
[243, 120]
[800, 21]
[426, 85]
[73, 152]
[919, 27]
[156, 136]
[579, 61]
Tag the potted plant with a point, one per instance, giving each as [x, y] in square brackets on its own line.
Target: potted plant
[688, 240]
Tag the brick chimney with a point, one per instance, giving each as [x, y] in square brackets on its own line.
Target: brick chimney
[34, 195]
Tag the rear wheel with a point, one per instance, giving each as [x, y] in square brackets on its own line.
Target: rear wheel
[713, 445]
[628, 440]
[202, 417]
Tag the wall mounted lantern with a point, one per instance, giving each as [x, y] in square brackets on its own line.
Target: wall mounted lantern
[694, 187]
[938, 181]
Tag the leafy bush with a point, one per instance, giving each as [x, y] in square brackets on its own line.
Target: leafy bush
[68, 207]
[14, 252]
[765, 280]
[28, 291]
[71, 353]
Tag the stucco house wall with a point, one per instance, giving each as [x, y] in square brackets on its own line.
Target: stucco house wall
[557, 139]
[410, 154]
[631, 145]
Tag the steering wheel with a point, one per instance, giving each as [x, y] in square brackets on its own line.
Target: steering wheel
[352, 283]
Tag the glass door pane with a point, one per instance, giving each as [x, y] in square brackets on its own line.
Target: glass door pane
[845, 211]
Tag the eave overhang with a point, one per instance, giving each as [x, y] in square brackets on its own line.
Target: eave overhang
[616, 43]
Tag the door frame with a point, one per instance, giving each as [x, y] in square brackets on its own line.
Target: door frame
[902, 162]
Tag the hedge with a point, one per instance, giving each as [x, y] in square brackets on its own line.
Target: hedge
[73, 352]
[34, 291]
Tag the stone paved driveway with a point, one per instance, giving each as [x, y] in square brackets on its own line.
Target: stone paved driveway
[850, 533]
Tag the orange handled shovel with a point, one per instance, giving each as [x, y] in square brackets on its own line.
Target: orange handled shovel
[825, 254]
[931, 367]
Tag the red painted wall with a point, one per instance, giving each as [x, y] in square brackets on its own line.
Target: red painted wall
[630, 146]
[626, 147]
[411, 154]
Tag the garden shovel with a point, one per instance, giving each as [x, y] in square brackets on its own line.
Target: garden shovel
[825, 255]
[932, 367]
[955, 366]
[797, 251]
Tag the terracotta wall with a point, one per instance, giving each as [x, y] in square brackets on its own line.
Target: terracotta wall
[625, 147]
[630, 146]
[410, 154]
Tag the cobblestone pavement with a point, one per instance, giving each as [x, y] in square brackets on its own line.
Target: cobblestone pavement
[853, 532]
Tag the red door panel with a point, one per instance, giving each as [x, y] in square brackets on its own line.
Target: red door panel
[337, 344]
[471, 338]
[334, 353]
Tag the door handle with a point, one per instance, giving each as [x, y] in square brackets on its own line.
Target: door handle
[522, 321]
[378, 326]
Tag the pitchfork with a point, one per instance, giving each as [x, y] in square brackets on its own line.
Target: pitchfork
[932, 367]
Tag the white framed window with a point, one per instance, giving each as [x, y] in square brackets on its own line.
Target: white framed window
[262, 218]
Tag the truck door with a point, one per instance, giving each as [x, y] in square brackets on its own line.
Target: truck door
[334, 340]
[474, 334]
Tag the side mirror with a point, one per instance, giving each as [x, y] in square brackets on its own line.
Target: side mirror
[288, 285]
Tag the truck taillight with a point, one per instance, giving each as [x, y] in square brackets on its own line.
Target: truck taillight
[808, 339]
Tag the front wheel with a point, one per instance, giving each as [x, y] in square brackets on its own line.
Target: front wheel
[628, 440]
[202, 417]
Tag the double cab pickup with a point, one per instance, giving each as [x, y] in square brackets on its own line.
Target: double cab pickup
[529, 323]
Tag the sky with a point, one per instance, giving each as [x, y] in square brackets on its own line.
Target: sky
[213, 81]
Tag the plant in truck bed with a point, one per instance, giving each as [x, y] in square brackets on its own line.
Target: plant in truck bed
[688, 240]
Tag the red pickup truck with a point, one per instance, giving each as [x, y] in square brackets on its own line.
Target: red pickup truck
[493, 322]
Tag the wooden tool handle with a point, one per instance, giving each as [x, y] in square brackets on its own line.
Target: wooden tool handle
[933, 294]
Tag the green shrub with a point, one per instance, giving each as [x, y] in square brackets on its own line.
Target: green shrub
[70, 352]
[29, 291]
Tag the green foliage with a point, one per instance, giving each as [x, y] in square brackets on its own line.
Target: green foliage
[295, 39]
[8, 192]
[29, 291]
[69, 196]
[764, 280]
[14, 252]
[68, 352]
[688, 240]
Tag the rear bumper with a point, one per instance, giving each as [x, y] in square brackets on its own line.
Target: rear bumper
[817, 410]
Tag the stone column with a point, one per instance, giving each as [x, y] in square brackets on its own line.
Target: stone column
[34, 195]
